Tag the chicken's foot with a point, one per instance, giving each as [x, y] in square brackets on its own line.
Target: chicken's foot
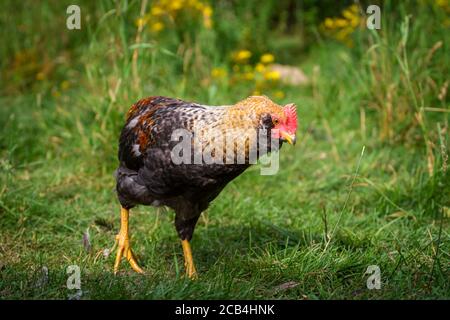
[188, 260]
[123, 241]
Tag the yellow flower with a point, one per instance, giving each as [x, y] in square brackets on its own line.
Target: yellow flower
[354, 8]
[329, 23]
[354, 22]
[140, 22]
[157, 26]
[242, 55]
[218, 73]
[199, 6]
[194, 9]
[176, 5]
[342, 27]
[272, 75]
[207, 14]
[157, 11]
[267, 58]
[348, 13]
[340, 23]
[207, 11]
[260, 67]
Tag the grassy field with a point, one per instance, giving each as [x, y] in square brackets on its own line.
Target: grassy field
[308, 232]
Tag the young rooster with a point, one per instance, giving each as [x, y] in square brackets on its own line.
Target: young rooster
[151, 174]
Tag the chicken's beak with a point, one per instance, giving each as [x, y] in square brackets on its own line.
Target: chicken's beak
[290, 138]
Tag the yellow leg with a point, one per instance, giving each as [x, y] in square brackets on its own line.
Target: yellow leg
[123, 242]
[188, 260]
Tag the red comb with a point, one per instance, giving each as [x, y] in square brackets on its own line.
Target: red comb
[290, 111]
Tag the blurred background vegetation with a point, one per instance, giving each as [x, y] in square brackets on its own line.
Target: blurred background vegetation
[64, 94]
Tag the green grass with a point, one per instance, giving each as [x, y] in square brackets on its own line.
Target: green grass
[319, 222]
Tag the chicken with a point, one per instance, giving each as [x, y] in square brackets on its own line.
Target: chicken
[151, 174]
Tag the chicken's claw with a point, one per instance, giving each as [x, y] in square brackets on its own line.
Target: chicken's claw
[123, 242]
[188, 260]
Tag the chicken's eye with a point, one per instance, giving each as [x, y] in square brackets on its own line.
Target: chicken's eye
[275, 121]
